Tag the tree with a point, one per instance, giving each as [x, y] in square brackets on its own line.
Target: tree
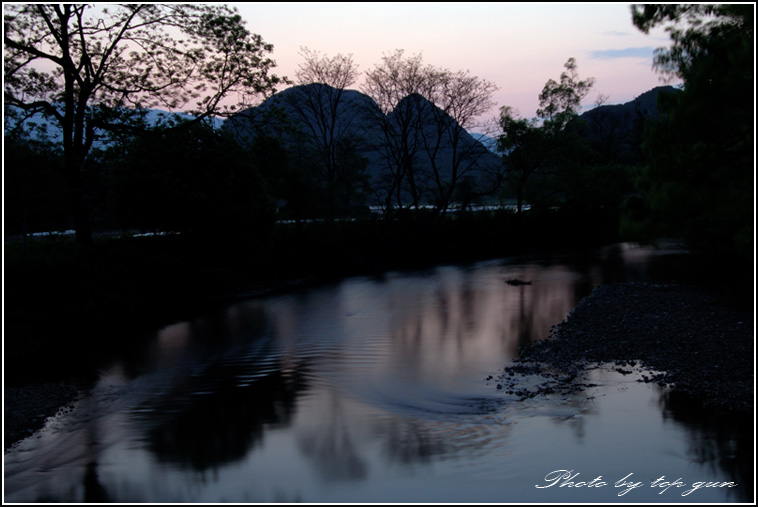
[328, 117]
[31, 169]
[560, 102]
[460, 100]
[423, 113]
[94, 69]
[395, 85]
[699, 178]
[521, 144]
[198, 181]
[538, 147]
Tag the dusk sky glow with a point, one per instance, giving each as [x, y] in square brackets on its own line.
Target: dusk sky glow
[518, 46]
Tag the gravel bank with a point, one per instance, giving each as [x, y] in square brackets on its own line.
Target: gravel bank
[26, 408]
[695, 344]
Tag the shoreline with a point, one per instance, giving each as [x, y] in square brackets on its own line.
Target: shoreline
[27, 408]
[696, 345]
[665, 327]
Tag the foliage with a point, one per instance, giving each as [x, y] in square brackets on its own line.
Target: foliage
[194, 180]
[291, 176]
[540, 153]
[93, 69]
[560, 102]
[31, 168]
[523, 145]
[699, 181]
[292, 188]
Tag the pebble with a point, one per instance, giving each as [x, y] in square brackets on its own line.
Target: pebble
[26, 408]
[678, 331]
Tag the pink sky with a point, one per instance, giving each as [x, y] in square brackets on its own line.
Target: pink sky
[516, 46]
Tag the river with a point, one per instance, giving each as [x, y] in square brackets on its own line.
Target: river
[379, 390]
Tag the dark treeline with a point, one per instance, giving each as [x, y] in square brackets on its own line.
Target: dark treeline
[321, 181]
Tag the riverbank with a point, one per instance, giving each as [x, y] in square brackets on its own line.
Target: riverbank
[692, 341]
[26, 408]
[70, 309]
[700, 346]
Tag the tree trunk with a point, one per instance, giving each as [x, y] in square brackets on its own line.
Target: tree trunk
[79, 211]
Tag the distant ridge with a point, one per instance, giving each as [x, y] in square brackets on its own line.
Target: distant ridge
[280, 110]
[618, 128]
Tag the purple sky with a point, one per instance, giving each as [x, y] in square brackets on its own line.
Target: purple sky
[517, 46]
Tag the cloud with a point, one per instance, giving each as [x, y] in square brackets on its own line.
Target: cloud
[611, 54]
[616, 33]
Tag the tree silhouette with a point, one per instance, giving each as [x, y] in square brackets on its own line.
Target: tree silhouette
[460, 100]
[699, 180]
[394, 85]
[329, 118]
[422, 113]
[92, 69]
[539, 147]
[32, 169]
[195, 180]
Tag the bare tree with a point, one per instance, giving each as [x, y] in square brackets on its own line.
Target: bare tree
[329, 118]
[396, 85]
[424, 113]
[92, 68]
[460, 100]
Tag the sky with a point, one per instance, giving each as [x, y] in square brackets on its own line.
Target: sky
[517, 46]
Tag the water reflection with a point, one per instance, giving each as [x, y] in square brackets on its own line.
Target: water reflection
[228, 385]
[94, 491]
[205, 429]
[330, 445]
[371, 389]
[723, 444]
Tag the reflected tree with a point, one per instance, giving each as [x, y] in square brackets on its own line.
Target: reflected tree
[718, 442]
[220, 412]
[223, 425]
[94, 491]
[331, 445]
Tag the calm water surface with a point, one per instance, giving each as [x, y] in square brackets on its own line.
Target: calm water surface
[374, 390]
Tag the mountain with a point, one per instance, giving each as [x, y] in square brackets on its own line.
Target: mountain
[616, 130]
[437, 149]
[487, 141]
[44, 129]
[645, 106]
